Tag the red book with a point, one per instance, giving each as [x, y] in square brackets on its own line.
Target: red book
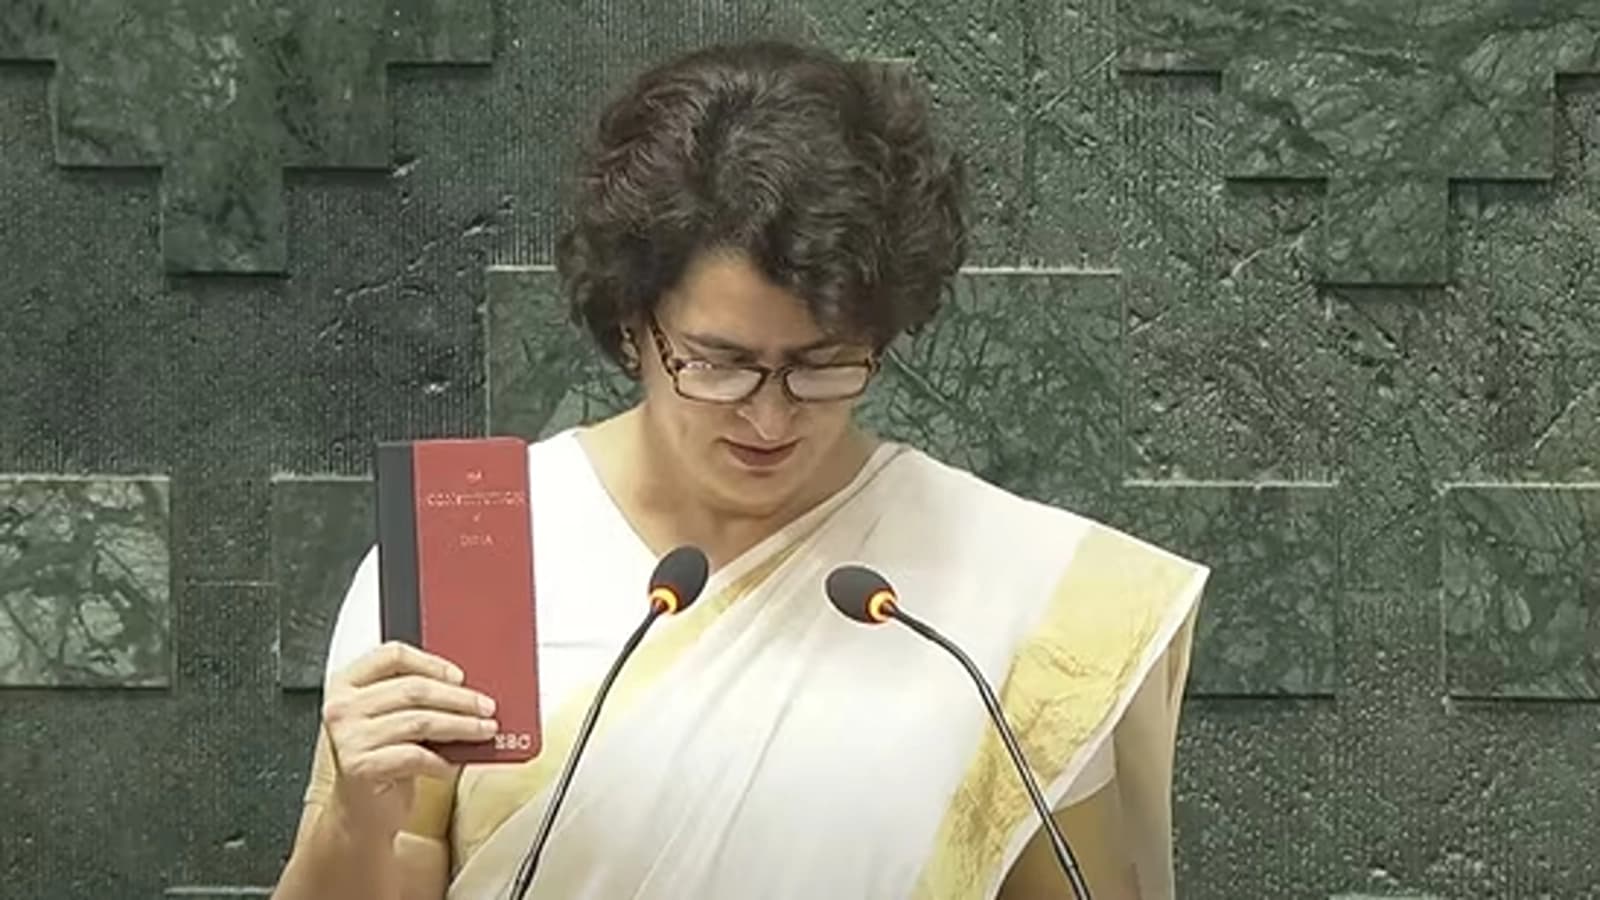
[455, 559]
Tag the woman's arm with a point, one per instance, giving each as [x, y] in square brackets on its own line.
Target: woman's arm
[329, 861]
[341, 853]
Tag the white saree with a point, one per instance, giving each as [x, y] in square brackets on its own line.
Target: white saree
[760, 745]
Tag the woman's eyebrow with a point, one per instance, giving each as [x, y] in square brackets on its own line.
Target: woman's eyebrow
[712, 342]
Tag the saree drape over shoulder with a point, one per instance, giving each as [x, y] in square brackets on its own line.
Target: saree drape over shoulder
[760, 745]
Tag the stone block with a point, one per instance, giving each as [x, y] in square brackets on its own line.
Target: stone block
[85, 582]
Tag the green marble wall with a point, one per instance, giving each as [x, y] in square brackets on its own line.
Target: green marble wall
[1307, 291]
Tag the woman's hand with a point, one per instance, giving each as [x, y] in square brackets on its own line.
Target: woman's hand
[377, 713]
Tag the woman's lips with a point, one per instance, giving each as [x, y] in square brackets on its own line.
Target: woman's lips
[754, 456]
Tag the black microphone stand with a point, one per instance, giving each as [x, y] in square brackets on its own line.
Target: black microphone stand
[530, 862]
[1058, 843]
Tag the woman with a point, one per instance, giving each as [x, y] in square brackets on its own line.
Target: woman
[754, 226]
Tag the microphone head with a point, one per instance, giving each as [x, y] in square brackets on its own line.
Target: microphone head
[861, 594]
[679, 578]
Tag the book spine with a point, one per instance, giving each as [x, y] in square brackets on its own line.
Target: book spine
[398, 574]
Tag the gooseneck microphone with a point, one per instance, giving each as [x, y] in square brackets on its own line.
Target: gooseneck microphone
[867, 597]
[678, 579]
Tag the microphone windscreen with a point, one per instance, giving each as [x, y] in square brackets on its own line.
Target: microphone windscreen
[683, 571]
[851, 589]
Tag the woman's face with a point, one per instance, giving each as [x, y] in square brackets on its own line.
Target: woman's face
[753, 456]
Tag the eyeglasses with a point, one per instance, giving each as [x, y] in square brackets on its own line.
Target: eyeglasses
[709, 382]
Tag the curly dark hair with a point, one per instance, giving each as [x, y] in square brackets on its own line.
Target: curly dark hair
[826, 173]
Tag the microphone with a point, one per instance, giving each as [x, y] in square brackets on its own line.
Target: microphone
[867, 597]
[675, 584]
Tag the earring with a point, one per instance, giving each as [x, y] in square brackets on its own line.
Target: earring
[630, 353]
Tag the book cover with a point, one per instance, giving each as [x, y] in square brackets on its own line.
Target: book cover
[455, 554]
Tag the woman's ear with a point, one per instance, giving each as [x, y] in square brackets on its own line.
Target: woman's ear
[629, 348]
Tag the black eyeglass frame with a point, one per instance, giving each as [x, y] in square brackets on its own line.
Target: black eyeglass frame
[675, 364]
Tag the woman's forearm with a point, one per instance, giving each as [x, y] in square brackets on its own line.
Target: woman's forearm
[331, 858]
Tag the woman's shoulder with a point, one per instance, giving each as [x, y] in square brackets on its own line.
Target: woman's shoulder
[947, 484]
[938, 487]
[554, 450]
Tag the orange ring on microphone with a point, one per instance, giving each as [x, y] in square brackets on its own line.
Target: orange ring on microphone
[665, 599]
[879, 606]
